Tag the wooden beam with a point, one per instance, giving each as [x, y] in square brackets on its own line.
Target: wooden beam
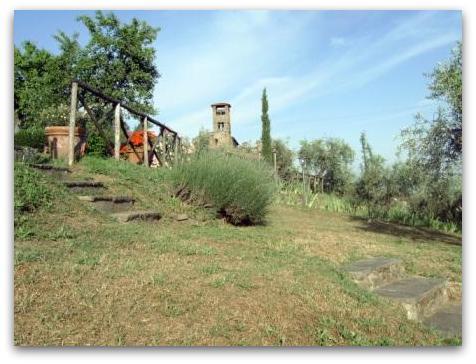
[117, 131]
[110, 99]
[145, 143]
[72, 122]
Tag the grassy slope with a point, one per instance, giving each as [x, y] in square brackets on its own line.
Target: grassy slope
[81, 278]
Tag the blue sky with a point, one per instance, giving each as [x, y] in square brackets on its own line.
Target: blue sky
[328, 73]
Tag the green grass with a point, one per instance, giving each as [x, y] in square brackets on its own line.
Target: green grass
[31, 190]
[83, 279]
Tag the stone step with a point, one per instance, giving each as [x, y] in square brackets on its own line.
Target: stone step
[50, 168]
[137, 215]
[375, 272]
[420, 296]
[84, 186]
[110, 203]
[448, 320]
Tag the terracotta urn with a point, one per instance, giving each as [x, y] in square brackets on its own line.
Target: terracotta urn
[57, 138]
[131, 156]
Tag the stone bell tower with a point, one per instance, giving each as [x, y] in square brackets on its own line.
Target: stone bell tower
[221, 135]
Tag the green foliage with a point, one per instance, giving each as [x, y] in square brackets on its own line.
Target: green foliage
[399, 211]
[31, 137]
[31, 190]
[446, 84]
[330, 161]
[35, 84]
[266, 149]
[371, 188]
[239, 189]
[434, 148]
[97, 146]
[284, 159]
[118, 59]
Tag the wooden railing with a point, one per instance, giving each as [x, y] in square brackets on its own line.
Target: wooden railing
[150, 148]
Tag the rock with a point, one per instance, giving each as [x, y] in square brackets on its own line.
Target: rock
[137, 215]
[448, 320]
[374, 272]
[181, 217]
[420, 296]
[92, 184]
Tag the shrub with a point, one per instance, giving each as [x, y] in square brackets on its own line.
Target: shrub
[30, 189]
[97, 146]
[240, 190]
[31, 137]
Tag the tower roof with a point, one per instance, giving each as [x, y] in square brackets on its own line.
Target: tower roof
[221, 104]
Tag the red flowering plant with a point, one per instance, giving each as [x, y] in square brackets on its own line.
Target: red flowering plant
[137, 139]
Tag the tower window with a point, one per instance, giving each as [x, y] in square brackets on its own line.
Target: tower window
[220, 111]
[221, 126]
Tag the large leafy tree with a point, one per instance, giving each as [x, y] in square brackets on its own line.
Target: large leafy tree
[266, 147]
[446, 84]
[284, 159]
[330, 161]
[434, 147]
[36, 74]
[118, 59]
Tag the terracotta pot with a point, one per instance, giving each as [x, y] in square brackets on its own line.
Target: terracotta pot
[57, 138]
[131, 156]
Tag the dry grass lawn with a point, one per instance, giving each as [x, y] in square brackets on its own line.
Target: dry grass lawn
[83, 279]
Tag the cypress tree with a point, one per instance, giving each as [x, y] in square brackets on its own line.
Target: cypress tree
[266, 149]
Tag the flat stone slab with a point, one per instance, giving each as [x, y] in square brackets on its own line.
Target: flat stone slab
[420, 296]
[137, 215]
[374, 272]
[114, 199]
[448, 320]
[50, 168]
[110, 203]
[83, 184]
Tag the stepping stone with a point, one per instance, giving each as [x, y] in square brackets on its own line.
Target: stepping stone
[181, 217]
[50, 168]
[419, 296]
[448, 320]
[84, 186]
[374, 272]
[109, 203]
[137, 215]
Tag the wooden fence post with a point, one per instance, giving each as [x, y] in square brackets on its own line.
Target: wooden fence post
[117, 131]
[176, 149]
[72, 122]
[274, 160]
[145, 143]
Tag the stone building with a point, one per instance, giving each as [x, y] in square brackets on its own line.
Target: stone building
[221, 134]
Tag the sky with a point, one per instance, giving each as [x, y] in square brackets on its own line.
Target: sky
[327, 73]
